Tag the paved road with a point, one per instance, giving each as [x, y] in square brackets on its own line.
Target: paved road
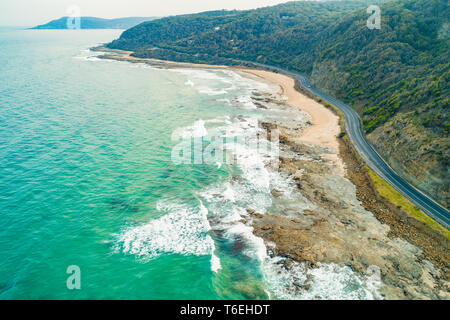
[372, 158]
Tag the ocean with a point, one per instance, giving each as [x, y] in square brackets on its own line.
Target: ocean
[89, 178]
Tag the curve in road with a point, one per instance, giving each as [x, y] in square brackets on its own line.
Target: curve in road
[370, 155]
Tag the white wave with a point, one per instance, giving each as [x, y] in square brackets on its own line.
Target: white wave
[228, 101]
[225, 120]
[88, 55]
[255, 246]
[182, 230]
[202, 74]
[211, 82]
[249, 82]
[87, 58]
[244, 102]
[228, 202]
[93, 58]
[229, 193]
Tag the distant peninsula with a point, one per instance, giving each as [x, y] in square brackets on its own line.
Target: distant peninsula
[97, 23]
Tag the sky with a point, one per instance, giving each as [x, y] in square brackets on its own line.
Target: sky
[34, 12]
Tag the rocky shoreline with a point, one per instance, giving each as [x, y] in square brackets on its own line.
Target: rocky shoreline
[350, 224]
[345, 222]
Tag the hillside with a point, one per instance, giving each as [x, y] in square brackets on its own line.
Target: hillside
[396, 78]
[96, 23]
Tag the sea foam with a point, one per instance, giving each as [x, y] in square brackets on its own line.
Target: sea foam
[324, 282]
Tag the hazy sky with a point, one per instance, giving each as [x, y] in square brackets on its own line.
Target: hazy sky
[33, 12]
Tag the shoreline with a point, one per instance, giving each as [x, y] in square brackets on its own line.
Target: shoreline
[302, 242]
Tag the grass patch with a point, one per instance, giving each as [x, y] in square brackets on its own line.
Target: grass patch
[401, 202]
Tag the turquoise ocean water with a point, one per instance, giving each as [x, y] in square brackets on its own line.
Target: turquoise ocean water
[87, 177]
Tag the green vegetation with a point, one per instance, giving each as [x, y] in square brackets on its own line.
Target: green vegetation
[401, 202]
[396, 78]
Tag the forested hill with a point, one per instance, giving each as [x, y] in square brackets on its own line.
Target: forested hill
[396, 77]
[96, 23]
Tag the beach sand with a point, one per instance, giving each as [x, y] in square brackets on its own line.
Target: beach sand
[325, 124]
